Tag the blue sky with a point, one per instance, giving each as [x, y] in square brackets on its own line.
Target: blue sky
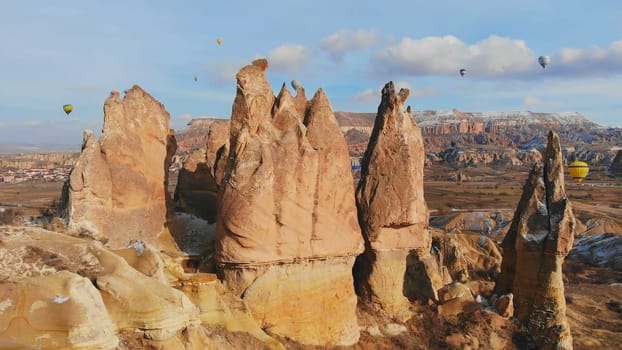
[57, 52]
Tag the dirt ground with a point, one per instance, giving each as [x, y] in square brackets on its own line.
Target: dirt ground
[501, 188]
[30, 197]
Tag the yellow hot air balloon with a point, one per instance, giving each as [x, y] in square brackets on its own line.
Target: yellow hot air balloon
[219, 41]
[578, 171]
[67, 109]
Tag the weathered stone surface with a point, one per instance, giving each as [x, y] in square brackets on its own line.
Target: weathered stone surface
[56, 311]
[287, 186]
[196, 192]
[377, 274]
[286, 200]
[616, 165]
[131, 299]
[390, 194]
[541, 235]
[218, 306]
[505, 305]
[88, 192]
[197, 185]
[392, 208]
[118, 187]
[312, 301]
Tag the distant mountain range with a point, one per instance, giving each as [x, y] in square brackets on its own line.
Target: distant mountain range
[8, 148]
[518, 130]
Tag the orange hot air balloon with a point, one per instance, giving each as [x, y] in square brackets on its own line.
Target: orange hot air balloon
[578, 171]
[219, 41]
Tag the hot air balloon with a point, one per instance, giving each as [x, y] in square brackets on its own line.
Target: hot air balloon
[196, 78]
[462, 71]
[296, 84]
[544, 61]
[67, 109]
[219, 41]
[578, 171]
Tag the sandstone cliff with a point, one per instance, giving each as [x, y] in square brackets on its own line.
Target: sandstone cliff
[118, 187]
[541, 235]
[287, 232]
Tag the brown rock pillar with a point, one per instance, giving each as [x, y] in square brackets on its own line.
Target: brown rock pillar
[392, 210]
[540, 237]
[118, 187]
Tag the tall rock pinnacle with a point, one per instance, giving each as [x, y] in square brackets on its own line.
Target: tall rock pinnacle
[540, 237]
[118, 187]
[392, 209]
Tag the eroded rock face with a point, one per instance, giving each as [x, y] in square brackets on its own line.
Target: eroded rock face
[85, 292]
[118, 187]
[392, 209]
[56, 311]
[286, 199]
[197, 185]
[616, 165]
[541, 235]
[62, 292]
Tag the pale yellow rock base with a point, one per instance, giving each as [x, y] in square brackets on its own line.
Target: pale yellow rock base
[311, 302]
[379, 280]
[57, 311]
[218, 306]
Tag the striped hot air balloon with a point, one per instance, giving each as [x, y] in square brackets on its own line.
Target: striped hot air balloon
[578, 171]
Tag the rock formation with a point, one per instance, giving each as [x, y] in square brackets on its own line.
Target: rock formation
[62, 292]
[197, 188]
[287, 232]
[616, 165]
[118, 187]
[392, 209]
[541, 235]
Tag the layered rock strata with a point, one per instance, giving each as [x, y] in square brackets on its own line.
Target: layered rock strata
[392, 209]
[287, 232]
[540, 237]
[118, 187]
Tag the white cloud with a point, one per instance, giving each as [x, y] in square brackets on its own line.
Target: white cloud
[371, 96]
[343, 41]
[222, 72]
[33, 123]
[591, 61]
[367, 96]
[289, 58]
[446, 55]
[531, 101]
[184, 117]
